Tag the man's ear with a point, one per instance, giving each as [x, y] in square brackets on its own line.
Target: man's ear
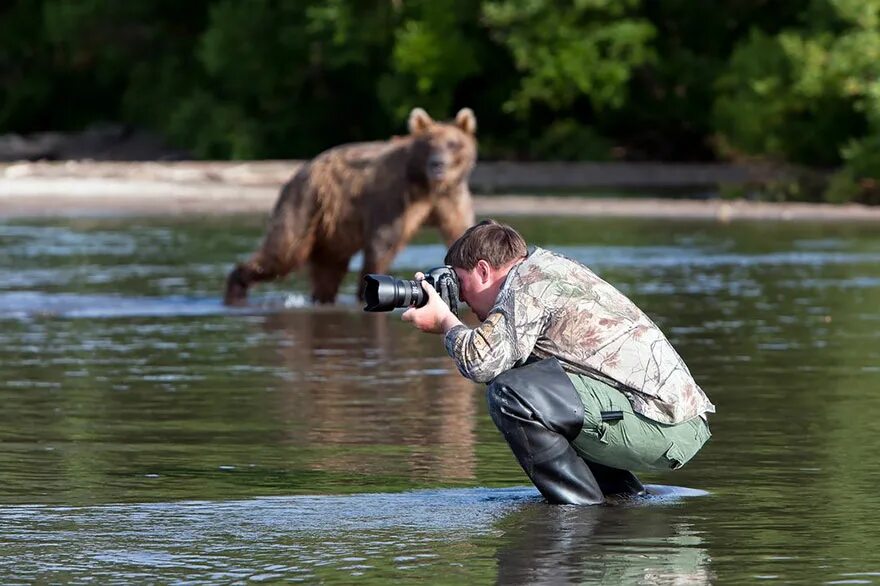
[484, 270]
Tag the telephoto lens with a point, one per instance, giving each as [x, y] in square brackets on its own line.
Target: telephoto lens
[384, 293]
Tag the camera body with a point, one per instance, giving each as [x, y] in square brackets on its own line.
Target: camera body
[384, 293]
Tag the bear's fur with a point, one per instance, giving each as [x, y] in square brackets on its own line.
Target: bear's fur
[370, 196]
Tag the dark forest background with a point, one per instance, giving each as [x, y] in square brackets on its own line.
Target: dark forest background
[794, 83]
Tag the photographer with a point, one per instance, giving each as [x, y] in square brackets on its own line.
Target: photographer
[581, 383]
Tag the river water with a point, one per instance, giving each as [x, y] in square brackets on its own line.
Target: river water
[150, 435]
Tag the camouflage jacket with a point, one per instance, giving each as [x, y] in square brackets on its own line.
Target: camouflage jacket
[552, 306]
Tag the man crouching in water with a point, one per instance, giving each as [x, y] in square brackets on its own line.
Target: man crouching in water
[582, 384]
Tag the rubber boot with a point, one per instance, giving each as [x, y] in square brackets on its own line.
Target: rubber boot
[614, 481]
[539, 413]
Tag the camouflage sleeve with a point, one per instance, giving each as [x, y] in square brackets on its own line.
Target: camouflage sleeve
[506, 337]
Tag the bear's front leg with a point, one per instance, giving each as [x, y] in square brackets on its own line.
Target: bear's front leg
[327, 272]
[377, 261]
[453, 215]
[383, 242]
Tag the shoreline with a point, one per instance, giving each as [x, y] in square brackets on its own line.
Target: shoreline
[157, 189]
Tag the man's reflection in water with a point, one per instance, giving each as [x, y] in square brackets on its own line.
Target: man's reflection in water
[625, 544]
[358, 384]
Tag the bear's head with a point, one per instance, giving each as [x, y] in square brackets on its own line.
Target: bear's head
[444, 151]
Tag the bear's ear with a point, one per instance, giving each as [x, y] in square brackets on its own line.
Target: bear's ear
[466, 120]
[419, 121]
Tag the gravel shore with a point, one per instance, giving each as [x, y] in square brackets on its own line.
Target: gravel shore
[104, 189]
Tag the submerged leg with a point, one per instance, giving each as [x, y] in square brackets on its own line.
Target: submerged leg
[327, 271]
[287, 245]
[282, 251]
[261, 267]
[539, 412]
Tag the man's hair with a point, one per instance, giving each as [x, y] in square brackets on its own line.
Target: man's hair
[498, 244]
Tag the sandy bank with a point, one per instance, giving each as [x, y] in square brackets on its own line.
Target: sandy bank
[107, 189]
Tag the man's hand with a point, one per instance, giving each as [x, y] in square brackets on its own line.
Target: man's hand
[434, 317]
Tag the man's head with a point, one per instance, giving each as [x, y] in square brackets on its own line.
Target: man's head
[482, 257]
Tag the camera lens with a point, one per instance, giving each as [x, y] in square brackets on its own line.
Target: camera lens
[384, 293]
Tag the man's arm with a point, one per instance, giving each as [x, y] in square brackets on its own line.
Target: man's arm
[494, 346]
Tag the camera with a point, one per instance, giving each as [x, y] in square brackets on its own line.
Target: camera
[384, 293]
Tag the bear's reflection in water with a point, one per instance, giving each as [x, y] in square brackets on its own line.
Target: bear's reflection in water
[374, 396]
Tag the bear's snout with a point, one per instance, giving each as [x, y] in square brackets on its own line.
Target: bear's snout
[437, 165]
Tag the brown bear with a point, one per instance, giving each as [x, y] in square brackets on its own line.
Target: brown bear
[369, 196]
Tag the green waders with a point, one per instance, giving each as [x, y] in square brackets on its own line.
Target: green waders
[578, 439]
[632, 442]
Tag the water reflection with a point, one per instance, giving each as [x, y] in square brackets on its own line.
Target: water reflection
[506, 536]
[645, 544]
[124, 381]
[356, 380]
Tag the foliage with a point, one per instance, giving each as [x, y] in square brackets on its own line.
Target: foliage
[582, 48]
[809, 94]
[550, 79]
[858, 179]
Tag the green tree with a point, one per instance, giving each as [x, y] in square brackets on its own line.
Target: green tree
[810, 94]
[568, 50]
[575, 60]
[549, 79]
